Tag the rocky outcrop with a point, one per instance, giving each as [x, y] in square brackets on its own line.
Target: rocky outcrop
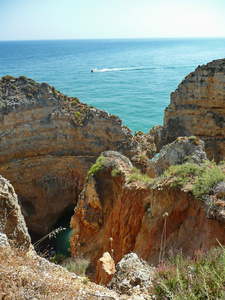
[48, 143]
[146, 150]
[197, 107]
[183, 149]
[105, 269]
[13, 229]
[132, 275]
[125, 207]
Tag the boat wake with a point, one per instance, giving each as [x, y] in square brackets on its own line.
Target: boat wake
[117, 69]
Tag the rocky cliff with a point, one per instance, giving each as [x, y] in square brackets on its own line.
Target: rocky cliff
[12, 223]
[48, 143]
[121, 210]
[197, 107]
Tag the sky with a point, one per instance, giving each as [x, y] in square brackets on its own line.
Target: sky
[102, 19]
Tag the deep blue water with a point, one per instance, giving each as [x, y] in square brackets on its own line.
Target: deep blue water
[136, 76]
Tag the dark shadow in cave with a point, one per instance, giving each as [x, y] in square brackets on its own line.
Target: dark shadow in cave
[60, 242]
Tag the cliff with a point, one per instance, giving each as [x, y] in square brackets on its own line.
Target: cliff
[48, 143]
[121, 210]
[25, 275]
[197, 107]
[12, 223]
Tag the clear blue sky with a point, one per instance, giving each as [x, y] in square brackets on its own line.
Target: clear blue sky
[84, 19]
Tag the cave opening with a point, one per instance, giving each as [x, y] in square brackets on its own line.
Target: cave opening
[59, 242]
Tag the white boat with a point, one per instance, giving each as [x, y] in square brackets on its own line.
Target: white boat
[94, 70]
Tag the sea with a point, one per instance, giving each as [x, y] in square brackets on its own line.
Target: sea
[131, 78]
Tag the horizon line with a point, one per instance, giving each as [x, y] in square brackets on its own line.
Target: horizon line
[132, 38]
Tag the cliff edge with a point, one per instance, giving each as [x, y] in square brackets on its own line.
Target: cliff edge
[197, 107]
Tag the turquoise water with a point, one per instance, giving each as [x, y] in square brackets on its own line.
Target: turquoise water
[136, 76]
[63, 238]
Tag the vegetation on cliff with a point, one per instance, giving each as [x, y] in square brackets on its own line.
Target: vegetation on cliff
[199, 277]
[202, 178]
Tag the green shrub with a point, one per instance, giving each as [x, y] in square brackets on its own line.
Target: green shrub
[54, 90]
[202, 177]
[74, 102]
[138, 176]
[182, 174]
[23, 78]
[207, 180]
[77, 114]
[98, 166]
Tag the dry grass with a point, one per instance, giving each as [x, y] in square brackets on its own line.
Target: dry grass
[28, 276]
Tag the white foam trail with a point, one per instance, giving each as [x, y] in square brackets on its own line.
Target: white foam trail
[117, 69]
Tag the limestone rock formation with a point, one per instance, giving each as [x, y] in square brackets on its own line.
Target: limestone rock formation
[105, 269]
[132, 274]
[48, 143]
[147, 149]
[4, 242]
[12, 224]
[197, 107]
[178, 152]
[126, 207]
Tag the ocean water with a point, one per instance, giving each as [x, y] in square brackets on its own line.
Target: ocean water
[134, 78]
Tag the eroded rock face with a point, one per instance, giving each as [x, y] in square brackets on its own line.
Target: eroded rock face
[48, 143]
[12, 225]
[197, 107]
[129, 212]
[132, 273]
[178, 152]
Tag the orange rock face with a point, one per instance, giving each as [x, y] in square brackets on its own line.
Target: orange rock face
[131, 213]
[105, 269]
[197, 107]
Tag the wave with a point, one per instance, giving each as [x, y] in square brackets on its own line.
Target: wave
[118, 69]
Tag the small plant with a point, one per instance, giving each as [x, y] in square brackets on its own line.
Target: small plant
[30, 96]
[74, 102]
[54, 90]
[139, 133]
[163, 239]
[115, 172]
[58, 258]
[138, 176]
[23, 78]
[77, 114]
[50, 235]
[99, 165]
[85, 280]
